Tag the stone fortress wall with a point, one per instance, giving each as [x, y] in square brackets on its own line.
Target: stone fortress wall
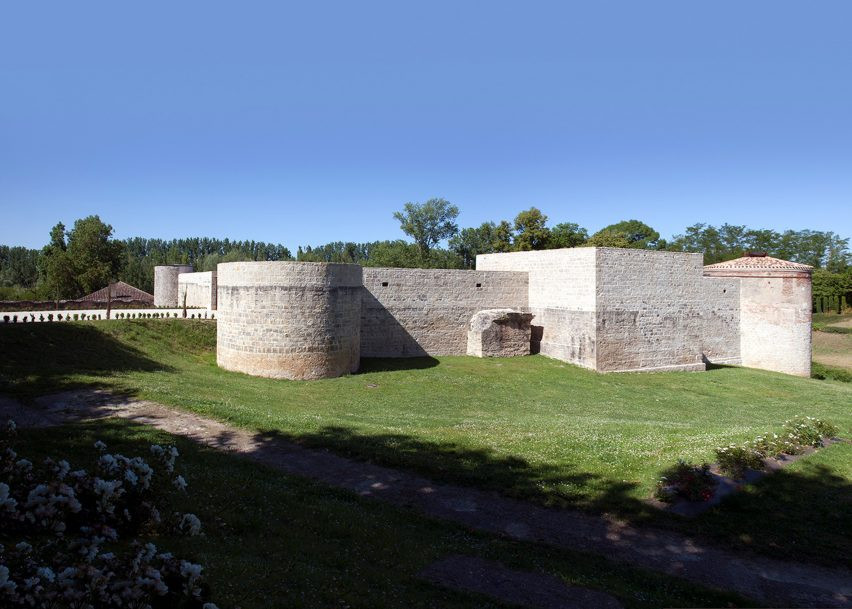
[166, 283]
[290, 320]
[606, 309]
[417, 312]
[197, 290]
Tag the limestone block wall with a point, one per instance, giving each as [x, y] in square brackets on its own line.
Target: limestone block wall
[166, 283]
[293, 320]
[199, 289]
[720, 337]
[649, 310]
[417, 312]
[562, 296]
[775, 323]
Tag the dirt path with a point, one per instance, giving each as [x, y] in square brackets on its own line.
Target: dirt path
[765, 580]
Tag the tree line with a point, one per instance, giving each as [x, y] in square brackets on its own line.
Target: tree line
[86, 257]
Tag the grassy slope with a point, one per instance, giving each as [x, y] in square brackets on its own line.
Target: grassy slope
[532, 427]
[284, 542]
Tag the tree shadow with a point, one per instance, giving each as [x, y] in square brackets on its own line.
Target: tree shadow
[44, 358]
[800, 515]
[485, 468]
[796, 514]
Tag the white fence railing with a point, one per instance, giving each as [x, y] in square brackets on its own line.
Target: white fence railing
[10, 317]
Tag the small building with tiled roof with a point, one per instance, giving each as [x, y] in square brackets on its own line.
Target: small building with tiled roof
[120, 292]
[774, 310]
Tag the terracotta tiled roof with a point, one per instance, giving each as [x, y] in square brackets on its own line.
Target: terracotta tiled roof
[120, 291]
[758, 263]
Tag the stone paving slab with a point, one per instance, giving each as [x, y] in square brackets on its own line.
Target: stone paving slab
[766, 580]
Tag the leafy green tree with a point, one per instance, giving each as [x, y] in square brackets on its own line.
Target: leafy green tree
[428, 223]
[531, 232]
[485, 239]
[95, 257]
[18, 267]
[504, 237]
[568, 234]
[394, 254]
[57, 278]
[608, 239]
[634, 233]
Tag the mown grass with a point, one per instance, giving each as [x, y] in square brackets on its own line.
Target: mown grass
[530, 427]
[272, 540]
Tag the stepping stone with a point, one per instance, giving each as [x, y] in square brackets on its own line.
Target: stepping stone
[522, 588]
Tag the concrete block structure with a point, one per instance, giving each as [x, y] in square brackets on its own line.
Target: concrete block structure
[166, 283]
[197, 290]
[607, 309]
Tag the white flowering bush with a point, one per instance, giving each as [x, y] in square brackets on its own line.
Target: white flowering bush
[797, 434]
[75, 538]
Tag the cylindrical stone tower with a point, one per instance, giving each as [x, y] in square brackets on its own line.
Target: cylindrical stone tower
[166, 284]
[775, 311]
[291, 320]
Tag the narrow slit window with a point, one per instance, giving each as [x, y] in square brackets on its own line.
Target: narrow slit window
[384, 284]
[479, 285]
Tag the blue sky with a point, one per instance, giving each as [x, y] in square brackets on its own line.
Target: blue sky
[310, 122]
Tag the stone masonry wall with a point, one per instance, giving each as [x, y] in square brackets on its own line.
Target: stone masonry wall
[720, 337]
[418, 312]
[649, 310]
[199, 289]
[294, 320]
[562, 296]
[166, 283]
[776, 323]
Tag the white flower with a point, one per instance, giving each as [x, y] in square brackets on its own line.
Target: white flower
[6, 583]
[180, 483]
[10, 425]
[100, 446]
[6, 502]
[47, 573]
[209, 606]
[190, 524]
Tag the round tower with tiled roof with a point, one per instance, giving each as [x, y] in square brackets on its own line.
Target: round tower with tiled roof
[775, 311]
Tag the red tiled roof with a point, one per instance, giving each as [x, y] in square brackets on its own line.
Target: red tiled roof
[120, 291]
[759, 263]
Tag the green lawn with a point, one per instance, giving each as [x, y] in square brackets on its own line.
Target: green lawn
[530, 427]
[272, 540]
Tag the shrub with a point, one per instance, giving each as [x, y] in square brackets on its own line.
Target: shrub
[62, 522]
[14, 319]
[822, 372]
[50, 317]
[5, 319]
[734, 460]
[687, 481]
[41, 317]
[808, 431]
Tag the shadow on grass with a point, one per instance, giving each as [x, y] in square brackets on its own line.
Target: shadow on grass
[375, 364]
[797, 515]
[43, 358]
[447, 462]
